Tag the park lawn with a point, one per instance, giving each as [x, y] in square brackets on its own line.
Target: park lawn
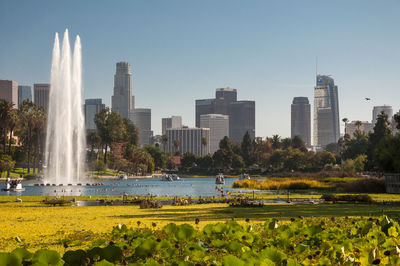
[50, 227]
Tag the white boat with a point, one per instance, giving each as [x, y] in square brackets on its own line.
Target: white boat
[122, 177]
[167, 178]
[220, 180]
[176, 178]
[244, 176]
[13, 185]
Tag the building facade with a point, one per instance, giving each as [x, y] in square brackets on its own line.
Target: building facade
[92, 107]
[194, 140]
[219, 128]
[41, 93]
[24, 93]
[122, 99]
[142, 119]
[352, 127]
[170, 122]
[9, 91]
[387, 109]
[241, 113]
[326, 112]
[301, 119]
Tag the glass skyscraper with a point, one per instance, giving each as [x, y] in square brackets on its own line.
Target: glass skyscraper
[122, 101]
[326, 112]
[24, 93]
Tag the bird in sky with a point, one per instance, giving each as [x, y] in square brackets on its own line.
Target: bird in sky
[368, 99]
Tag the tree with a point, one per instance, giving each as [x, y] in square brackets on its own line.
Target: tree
[286, 143]
[93, 139]
[396, 118]
[298, 143]
[226, 144]
[177, 143]
[381, 131]
[111, 128]
[356, 146]
[158, 156]
[345, 120]
[132, 132]
[188, 160]
[5, 117]
[205, 162]
[139, 160]
[276, 142]
[203, 143]
[387, 155]
[247, 150]
[164, 139]
[6, 163]
[358, 124]
[237, 162]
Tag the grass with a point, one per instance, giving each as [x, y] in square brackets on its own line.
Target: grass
[44, 227]
[280, 184]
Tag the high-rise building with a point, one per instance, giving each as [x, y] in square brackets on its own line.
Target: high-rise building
[194, 140]
[92, 107]
[9, 91]
[24, 93]
[219, 128]
[301, 119]
[41, 92]
[241, 113]
[326, 112]
[142, 119]
[170, 122]
[122, 100]
[387, 109]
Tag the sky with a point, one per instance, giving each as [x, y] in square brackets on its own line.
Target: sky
[181, 51]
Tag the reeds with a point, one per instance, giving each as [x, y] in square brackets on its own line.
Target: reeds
[279, 184]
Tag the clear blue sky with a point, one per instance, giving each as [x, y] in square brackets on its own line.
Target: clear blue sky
[182, 50]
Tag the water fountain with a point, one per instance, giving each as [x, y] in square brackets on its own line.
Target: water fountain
[65, 140]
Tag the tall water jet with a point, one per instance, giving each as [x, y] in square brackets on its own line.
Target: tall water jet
[65, 140]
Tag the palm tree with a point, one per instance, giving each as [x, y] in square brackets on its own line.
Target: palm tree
[176, 145]
[12, 124]
[345, 120]
[276, 141]
[39, 124]
[164, 139]
[204, 143]
[5, 111]
[358, 124]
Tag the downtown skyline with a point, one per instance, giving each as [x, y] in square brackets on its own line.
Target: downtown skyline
[264, 58]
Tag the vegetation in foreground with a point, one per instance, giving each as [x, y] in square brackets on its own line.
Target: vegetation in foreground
[36, 226]
[323, 241]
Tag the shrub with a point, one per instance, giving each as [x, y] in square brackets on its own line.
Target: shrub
[279, 184]
[347, 198]
[364, 185]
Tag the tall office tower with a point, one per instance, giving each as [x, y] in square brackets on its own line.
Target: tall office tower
[92, 107]
[41, 92]
[241, 113]
[24, 93]
[122, 101]
[219, 128]
[9, 91]
[301, 119]
[242, 117]
[387, 109]
[170, 122]
[188, 140]
[326, 112]
[142, 119]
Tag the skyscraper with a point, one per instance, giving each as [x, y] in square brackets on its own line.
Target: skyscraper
[41, 92]
[241, 113]
[219, 128]
[170, 122]
[326, 112]
[122, 100]
[9, 91]
[387, 109]
[24, 93]
[301, 119]
[92, 107]
[142, 119]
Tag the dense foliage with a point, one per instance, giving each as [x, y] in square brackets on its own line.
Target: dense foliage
[338, 241]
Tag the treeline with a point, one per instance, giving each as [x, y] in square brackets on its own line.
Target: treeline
[28, 124]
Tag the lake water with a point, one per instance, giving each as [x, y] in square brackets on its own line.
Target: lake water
[186, 187]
